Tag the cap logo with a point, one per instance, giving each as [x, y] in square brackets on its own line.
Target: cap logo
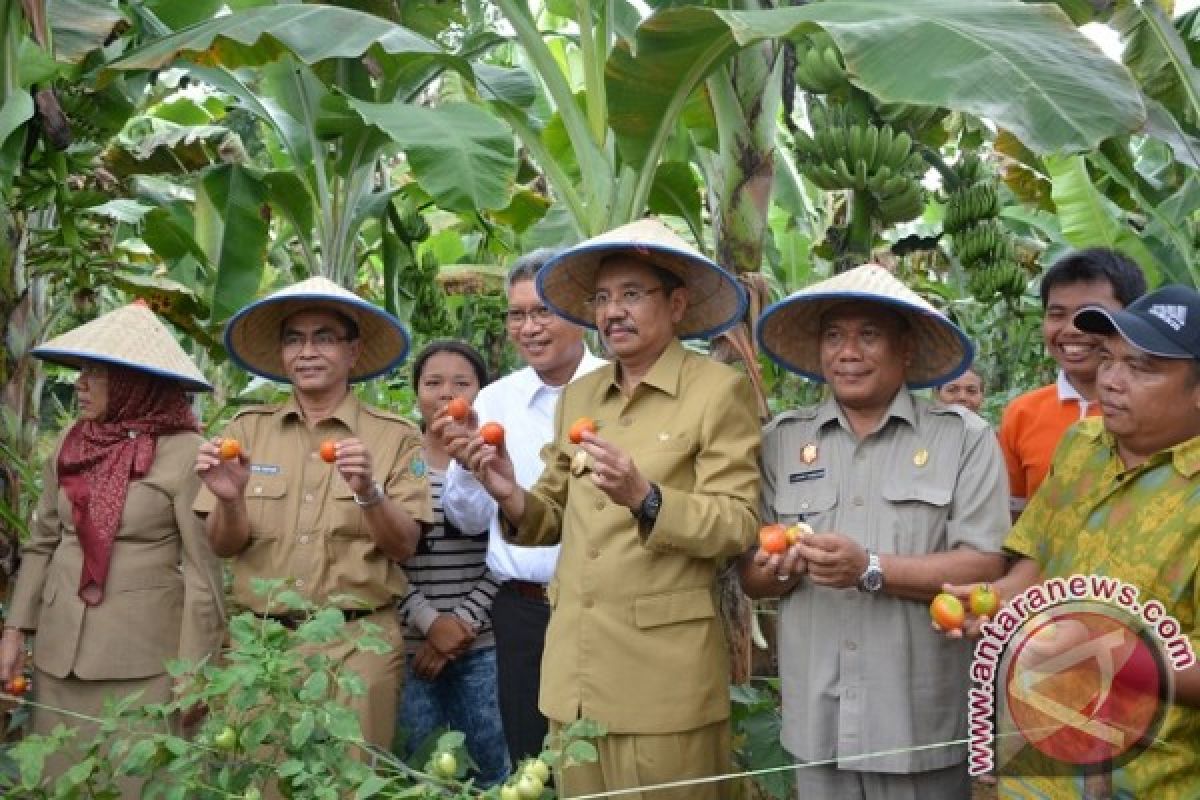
[1175, 316]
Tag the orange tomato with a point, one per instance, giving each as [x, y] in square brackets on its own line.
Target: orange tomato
[983, 600]
[328, 451]
[947, 612]
[773, 539]
[18, 685]
[229, 449]
[457, 409]
[579, 427]
[492, 433]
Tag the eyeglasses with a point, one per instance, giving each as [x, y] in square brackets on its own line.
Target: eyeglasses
[540, 315]
[626, 299]
[321, 340]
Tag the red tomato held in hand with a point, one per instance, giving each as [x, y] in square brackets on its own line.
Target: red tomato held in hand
[17, 686]
[983, 600]
[328, 451]
[773, 539]
[457, 409]
[947, 612]
[579, 427]
[229, 449]
[492, 433]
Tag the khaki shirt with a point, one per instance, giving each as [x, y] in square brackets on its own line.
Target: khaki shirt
[867, 673]
[304, 523]
[163, 595]
[634, 640]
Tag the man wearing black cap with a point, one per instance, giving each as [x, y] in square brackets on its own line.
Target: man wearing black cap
[1123, 500]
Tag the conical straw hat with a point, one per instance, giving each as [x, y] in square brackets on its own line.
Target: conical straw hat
[252, 334]
[715, 300]
[789, 331]
[131, 336]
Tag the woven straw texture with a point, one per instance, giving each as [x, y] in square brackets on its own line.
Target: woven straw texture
[130, 336]
[788, 331]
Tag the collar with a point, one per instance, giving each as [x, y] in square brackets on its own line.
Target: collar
[664, 375]
[345, 413]
[1185, 456]
[1066, 391]
[529, 384]
[901, 408]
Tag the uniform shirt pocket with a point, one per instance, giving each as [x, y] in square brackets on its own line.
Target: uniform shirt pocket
[266, 503]
[919, 506]
[669, 608]
[348, 517]
[810, 502]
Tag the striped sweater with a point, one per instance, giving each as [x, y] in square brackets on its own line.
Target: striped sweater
[447, 574]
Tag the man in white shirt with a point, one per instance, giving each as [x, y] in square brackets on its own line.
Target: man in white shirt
[524, 403]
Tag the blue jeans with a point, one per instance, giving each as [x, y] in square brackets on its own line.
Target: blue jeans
[462, 698]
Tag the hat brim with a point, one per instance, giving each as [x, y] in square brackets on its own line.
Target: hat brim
[715, 299]
[252, 336]
[788, 332]
[76, 358]
[1139, 332]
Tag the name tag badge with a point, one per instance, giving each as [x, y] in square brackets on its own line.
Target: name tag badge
[264, 469]
[806, 476]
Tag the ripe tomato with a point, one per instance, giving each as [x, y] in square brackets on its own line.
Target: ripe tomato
[328, 451]
[17, 686]
[773, 539]
[579, 427]
[457, 409]
[983, 600]
[229, 449]
[947, 612]
[492, 433]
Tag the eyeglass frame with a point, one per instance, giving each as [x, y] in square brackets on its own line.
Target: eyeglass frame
[627, 299]
[321, 340]
[538, 315]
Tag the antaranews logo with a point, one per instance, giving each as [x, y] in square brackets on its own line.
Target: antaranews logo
[1074, 674]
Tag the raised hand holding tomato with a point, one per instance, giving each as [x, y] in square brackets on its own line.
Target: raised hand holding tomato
[833, 559]
[226, 477]
[615, 473]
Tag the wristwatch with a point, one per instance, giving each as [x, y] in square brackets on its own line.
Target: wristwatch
[647, 513]
[374, 496]
[871, 580]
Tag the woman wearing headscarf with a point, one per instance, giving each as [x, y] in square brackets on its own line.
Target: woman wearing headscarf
[117, 577]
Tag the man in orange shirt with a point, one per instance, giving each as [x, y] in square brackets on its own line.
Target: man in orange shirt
[1034, 422]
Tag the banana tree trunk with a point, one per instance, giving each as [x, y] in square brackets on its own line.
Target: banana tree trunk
[746, 95]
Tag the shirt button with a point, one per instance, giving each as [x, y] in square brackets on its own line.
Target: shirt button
[626, 421]
[258, 490]
[587, 603]
[304, 539]
[599, 505]
[858, 501]
[299, 583]
[593, 553]
[851, 646]
[308, 498]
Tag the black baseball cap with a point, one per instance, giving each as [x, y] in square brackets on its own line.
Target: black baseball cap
[1164, 323]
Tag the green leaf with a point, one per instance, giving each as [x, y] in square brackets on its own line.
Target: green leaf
[1025, 66]
[167, 237]
[314, 688]
[302, 731]
[1159, 59]
[80, 26]
[121, 209]
[231, 230]
[505, 84]
[462, 155]
[1089, 219]
[177, 15]
[581, 752]
[370, 787]
[313, 33]
[16, 111]
[676, 191]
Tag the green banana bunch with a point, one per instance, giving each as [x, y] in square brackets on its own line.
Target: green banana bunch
[967, 206]
[856, 155]
[901, 206]
[910, 117]
[1005, 278]
[820, 69]
[987, 241]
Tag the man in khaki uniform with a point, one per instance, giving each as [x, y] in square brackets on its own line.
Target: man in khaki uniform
[646, 510]
[337, 531]
[903, 496]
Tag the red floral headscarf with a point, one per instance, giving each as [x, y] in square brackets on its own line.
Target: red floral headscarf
[99, 459]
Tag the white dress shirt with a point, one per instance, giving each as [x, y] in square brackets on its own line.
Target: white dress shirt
[524, 405]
